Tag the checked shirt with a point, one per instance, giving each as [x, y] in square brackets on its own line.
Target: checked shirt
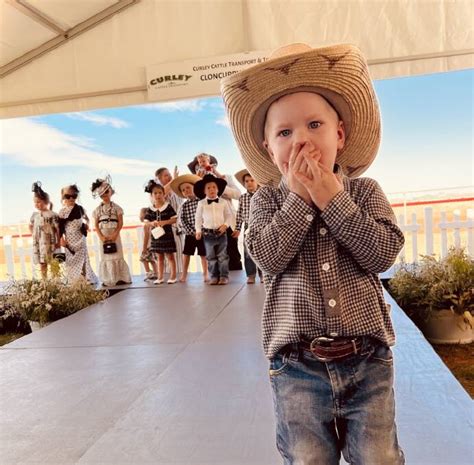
[187, 216]
[321, 267]
[244, 211]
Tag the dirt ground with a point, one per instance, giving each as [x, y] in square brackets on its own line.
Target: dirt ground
[459, 359]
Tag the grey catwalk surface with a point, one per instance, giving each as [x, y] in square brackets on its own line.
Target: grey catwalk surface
[175, 375]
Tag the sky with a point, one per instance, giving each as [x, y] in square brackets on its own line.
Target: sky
[427, 143]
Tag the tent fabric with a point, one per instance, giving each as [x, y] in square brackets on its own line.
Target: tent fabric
[105, 66]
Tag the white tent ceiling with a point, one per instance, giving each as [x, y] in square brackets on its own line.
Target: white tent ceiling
[73, 55]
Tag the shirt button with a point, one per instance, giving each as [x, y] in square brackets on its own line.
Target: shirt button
[332, 303]
[333, 334]
[323, 231]
[309, 218]
[326, 266]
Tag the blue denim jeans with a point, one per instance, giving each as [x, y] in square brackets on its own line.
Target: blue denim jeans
[250, 267]
[323, 409]
[216, 254]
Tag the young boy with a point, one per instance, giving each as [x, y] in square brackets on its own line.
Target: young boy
[213, 217]
[183, 186]
[307, 123]
[246, 179]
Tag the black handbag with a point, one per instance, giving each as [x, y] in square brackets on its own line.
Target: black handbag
[59, 257]
[110, 247]
[84, 229]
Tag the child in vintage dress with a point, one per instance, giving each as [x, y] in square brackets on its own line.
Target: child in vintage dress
[147, 257]
[73, 231]
[44, 227]
[161, 215]
[108, 218]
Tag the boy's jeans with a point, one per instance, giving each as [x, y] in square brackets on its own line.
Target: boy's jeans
[216, 254]
[250, 267]
[325, 408]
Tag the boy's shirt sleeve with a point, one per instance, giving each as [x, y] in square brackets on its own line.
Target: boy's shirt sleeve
[228, 217]
[186, 219]
[239, 218]
[275, 234]
[198, 222]
[367, 229]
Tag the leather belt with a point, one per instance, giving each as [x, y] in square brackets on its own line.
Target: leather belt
[215, 232]
[326, 349]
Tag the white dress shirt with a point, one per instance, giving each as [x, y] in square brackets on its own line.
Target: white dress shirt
[213, 215]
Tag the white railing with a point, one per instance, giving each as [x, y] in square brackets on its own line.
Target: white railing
[438, 238]
[424, 235]
[18, 254]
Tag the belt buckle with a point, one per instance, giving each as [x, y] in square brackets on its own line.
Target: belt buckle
[321, 341]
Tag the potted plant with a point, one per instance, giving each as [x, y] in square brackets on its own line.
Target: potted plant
[438, 295]
[41, 302]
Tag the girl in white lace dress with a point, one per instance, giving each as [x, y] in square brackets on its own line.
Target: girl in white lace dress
[73, 224]
[108, 218]
[44, 228]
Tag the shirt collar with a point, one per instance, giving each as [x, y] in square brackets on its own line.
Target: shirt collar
[162, 208]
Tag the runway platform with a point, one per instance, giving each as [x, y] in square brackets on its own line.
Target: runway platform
[175, 375]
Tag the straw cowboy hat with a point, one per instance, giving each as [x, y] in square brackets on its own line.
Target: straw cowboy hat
[207, 178]
[240, 175]
[176, 183]
[339, 73]
[192, 165]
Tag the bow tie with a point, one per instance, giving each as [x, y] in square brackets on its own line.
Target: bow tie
[209, 201]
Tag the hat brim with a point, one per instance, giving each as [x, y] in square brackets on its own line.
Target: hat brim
[339, 73]
[240, 175]
[192, 164]
[176, 183]
[201, 184]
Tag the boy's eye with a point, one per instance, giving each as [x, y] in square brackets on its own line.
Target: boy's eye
[314, 124]
[284, 133]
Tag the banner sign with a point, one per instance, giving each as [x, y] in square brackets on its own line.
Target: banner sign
[196, 78]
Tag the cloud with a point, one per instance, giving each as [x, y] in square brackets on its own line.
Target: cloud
[223, 121]
[35, 144]
[99, 120]
[179, 105]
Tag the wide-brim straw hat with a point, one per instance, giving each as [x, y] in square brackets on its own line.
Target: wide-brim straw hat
[240, 176]
[176, 183]
[192, 165]
[201, 184]
[339, 73]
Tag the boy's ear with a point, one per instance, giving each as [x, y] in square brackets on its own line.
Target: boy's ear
[341, 135]
[269, 151]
